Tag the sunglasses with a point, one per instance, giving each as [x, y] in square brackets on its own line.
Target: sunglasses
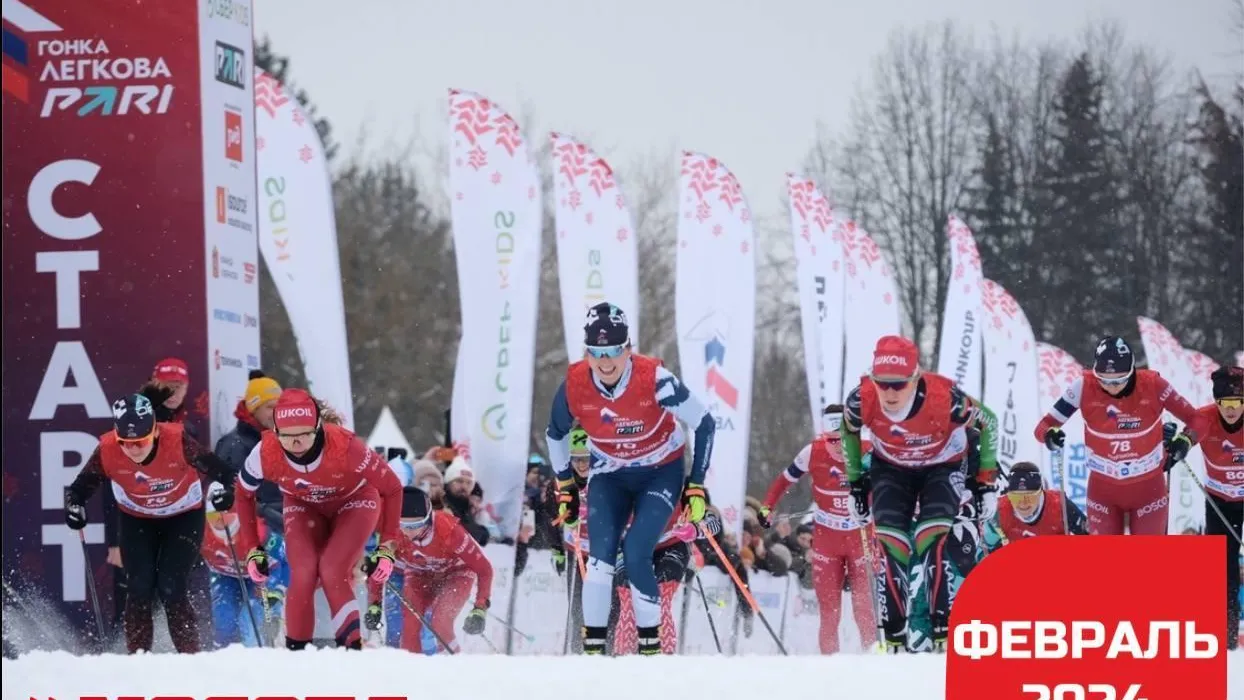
[604, 352]
[892, 384]
[1232, 402]
[1115, 381]
[136, 442]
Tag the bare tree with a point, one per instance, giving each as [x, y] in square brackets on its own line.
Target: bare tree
[907, 161]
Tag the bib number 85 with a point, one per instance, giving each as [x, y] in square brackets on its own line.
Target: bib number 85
[1075, 691]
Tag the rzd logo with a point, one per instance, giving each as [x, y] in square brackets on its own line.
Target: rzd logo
[102, 100]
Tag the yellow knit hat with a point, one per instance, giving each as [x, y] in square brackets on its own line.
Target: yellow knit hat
[260, 391]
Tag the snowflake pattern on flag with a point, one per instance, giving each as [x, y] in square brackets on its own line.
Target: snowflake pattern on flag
[1057, 368]
[1161, 348]
[810, 206]
[586, 180]
[269, 95]
[480, 126]
[707, 184]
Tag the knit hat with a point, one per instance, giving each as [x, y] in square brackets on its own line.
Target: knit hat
[295, 409]
[606, 326]
[134, 417]
[426, 470]
[260, 390]
[459, 469]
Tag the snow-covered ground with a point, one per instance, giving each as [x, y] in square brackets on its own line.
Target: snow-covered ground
[257, 672]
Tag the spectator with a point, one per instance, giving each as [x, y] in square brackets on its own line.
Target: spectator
[459, 487]
[738, 561]
[254, 414]
[427, 476]
[167, 390]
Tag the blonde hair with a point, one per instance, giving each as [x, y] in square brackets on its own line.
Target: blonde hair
[328, 415]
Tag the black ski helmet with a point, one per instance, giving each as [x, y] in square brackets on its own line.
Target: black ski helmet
[416, 506]
[606, 326]
[1113, 356]
[133, 417]
[1228, 382]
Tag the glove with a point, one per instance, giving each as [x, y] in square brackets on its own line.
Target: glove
[474, 622]
[223, 500]
[567, 503]
[271, 597]
[75, 515]
[1168, 431]
[859, 498]
[693, 502]
[257, 565]
[986, 498]
[685, 532]
[1176, 450]
[559, 562]
[1055, 438]
[762, 517]
[371, 619]
[379, 564]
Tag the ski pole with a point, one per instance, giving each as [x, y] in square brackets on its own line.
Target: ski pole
[1212, 503]
[242, 581]
[570, 589]
[1060, 474]
[747, 594]
[512, 628]
[90, 586]
[712, 626]
[419, 616]
[872, 563]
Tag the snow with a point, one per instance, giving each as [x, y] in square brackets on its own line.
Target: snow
[255, 672]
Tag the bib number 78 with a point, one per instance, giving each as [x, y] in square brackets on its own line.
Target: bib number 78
[1120, 447]
[1075, 691]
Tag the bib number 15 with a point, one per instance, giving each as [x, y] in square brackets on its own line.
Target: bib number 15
[1075, 691]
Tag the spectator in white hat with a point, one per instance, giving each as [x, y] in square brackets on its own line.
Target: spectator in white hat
[460, 485]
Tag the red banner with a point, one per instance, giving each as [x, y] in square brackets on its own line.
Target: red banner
[103, 249]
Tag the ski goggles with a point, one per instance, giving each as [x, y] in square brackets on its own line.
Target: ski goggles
[1021, 482]
[415, 526]
[1113, 381]
[136, 442]
[1230, 402]
[892, 384]
[608, 351]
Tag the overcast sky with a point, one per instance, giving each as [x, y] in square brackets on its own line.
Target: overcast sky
[743, 80]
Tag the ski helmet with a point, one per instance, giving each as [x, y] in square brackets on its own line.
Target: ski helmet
[1113, 356]
[1228, 382]
[606, 326]
[416, 508]
[134, 417]
[578, 443]
[1024, 476]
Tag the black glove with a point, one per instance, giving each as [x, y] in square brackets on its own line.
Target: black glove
[371, 619]
[1168, 431]
[860, 489]
[1055, 438]
[75, 514]
[1176, 450]
[474, 622]
[567, 503]
[559, 561]
[223, 500]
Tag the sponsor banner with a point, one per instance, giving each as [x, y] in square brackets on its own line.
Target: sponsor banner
[1168, 358]
[230, 247]
[1011, 378]
[497, 219]
[821, 276]
[298, 238]
[872, 309]
[1058, 370]
[715, 314]
[102, 247]
[597, 255]
[959, 354]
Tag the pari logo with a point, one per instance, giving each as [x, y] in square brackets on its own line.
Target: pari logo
[1122, 420]
[233, 136]
[713, 332]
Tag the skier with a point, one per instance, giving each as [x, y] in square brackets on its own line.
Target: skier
[1222, 424]
[670, 561]
[337, 491]
[1127, 460]
[230, 619]
[154, 470]
[1030, 509]
[838, 543]
[565, 556]
[919, 423]
[630, 407]
[439, 563]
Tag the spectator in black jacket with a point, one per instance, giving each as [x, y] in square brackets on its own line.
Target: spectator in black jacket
[254, 414]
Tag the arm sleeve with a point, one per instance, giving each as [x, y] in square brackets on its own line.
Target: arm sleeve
[112, 525]
[676, 398]
[249, 478]
[1062, 410]
[793, 472]
[390, 487]
[1174, 402]
[557, 435]
[711, 523]
[87, 481]
[975, 415]
[852, 425]
[206, 462]
[473, 556]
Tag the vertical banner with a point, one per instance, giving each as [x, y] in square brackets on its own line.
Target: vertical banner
[871, 301]
[495, 186]
[1168, 358]
[1011, 378]
[1058, 370]
[959, 354]
[597, 254]
[820, 276]
[715, 314]
[227, 107]
[102, 247]
[298, 239]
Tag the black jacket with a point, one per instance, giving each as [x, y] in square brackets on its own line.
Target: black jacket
[233, 448]
[461, 508]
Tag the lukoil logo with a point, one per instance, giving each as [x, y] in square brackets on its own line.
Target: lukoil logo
[891, 360]
[231, 209]
[227, 316]
[230, 65]
[226, 361]
[233, 135]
